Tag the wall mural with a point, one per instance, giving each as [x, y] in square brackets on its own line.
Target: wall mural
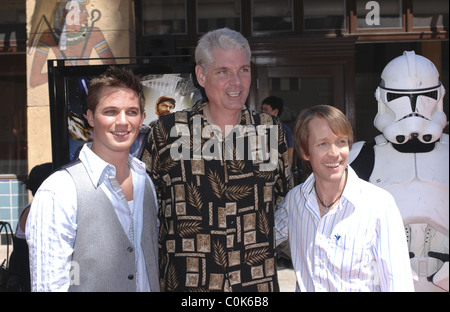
[70, 33]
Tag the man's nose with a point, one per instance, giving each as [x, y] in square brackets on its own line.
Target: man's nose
[122, 118]
[333, 150]
[236, 79]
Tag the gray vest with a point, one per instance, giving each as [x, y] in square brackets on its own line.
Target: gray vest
[103, 257]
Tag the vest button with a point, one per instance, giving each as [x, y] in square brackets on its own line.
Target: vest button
[130, 249]
[130, 276]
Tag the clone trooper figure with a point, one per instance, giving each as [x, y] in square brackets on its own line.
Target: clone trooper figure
[410, 160]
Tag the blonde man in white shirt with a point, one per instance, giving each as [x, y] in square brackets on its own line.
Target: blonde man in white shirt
[92, 225]
[345, 234]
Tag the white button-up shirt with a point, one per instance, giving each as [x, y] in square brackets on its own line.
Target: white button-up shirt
[52, 221]
[360, 245]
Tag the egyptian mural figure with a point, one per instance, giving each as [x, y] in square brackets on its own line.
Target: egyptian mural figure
[71, 35]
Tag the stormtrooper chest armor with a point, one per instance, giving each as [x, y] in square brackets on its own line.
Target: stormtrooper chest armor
[419, 183]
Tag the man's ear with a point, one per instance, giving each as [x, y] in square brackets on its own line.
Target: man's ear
[90, 118]
[304, 156]
[200, 74]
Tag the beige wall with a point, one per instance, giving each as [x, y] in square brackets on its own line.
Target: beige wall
[114, 24]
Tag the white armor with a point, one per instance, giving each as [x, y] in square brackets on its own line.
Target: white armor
[410, 106]
[410, 100]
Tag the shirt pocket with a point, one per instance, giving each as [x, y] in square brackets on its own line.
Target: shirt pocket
[348, 255]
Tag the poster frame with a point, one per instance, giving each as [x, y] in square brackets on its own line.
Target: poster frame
[65, 94]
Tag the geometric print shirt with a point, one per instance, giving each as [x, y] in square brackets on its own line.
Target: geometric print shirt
[217, 199]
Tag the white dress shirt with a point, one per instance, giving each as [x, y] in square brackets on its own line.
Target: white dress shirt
[52, 221]
[360, 245]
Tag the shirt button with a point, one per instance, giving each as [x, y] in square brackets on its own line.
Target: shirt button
[130, 276]
[130, 249]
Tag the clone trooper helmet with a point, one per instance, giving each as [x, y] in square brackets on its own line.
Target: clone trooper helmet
[410, 100]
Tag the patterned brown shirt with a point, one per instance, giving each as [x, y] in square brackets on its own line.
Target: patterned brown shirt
[217, 201]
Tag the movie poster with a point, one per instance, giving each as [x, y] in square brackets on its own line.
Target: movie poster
[164, 94]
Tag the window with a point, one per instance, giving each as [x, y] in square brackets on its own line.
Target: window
[212, 14]
[13, 107]
[268, 15]
[184, 21]
[379, 14]
[13, 136]
[430, 14]
[324, 15]
[163, 17]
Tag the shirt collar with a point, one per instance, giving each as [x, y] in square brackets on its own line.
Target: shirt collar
[98, 169]
[246, 117]
[351, 193]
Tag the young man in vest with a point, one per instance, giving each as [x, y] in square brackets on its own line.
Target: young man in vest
[92, 225]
